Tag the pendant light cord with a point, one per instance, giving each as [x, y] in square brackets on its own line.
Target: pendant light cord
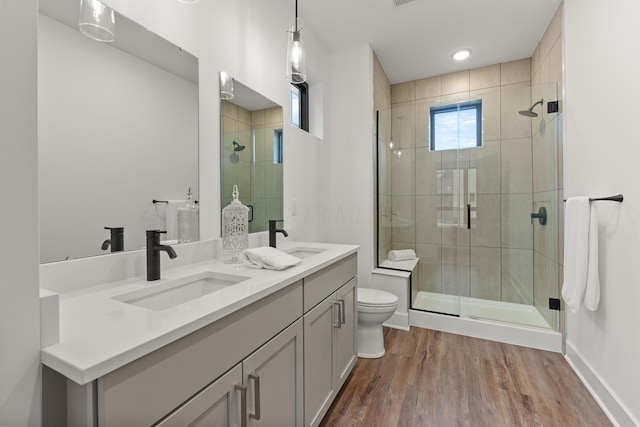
[296, 16]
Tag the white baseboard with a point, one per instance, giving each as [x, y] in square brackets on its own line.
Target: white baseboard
[615, 411]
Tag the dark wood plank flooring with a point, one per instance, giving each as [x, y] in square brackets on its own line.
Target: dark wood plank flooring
[435, 379]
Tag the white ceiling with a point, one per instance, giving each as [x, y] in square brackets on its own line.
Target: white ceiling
[416, 40]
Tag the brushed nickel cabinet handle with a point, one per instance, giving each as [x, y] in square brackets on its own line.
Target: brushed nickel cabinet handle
[243, 404]
[336, 322]
[343, 315]
[255, 414]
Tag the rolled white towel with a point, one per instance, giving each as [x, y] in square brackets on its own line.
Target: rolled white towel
[269, 258]
[401, 255]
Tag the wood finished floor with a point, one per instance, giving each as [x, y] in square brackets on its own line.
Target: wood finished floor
[435, 379]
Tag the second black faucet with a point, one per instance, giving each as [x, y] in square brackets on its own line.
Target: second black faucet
[273, 230]
[153, 253]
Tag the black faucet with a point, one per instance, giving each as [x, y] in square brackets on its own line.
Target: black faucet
[116, 241]
[153, 253]
[273, 230]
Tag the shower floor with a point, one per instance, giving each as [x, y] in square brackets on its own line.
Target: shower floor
[480, 308]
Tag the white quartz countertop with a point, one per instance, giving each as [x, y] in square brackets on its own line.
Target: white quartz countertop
[99, 334]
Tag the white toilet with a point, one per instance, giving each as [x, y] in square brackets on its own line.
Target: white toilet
[374, 307]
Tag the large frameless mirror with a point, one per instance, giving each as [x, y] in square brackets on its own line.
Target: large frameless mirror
[117, 128]
[251, 151]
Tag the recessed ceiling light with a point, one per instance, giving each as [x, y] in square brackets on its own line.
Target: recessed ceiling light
[461, 54]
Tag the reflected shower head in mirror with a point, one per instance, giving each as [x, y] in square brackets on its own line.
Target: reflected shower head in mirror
[237, 147]
[529, 112]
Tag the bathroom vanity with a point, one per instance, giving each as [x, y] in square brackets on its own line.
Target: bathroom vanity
[270, 348]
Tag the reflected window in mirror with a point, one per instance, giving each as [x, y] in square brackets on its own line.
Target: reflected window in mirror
[300, 106]
[278, 146]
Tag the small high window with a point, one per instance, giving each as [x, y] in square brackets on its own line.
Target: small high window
[278, 146]
[455, 126]
[300, 106]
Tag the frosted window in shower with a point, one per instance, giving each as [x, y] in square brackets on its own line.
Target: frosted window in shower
[456, 126]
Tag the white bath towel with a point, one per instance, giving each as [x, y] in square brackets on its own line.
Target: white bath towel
[401, 255]
[171, 218]
[581, 284]
[269, 258]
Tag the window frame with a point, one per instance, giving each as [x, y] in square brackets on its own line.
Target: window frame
[303, 119]
[475, 104]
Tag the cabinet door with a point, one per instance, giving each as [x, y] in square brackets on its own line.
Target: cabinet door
[319, 383]
[217, 405]
[346, 340]
[274, 381]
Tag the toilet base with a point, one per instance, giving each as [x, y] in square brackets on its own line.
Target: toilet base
[370, 341]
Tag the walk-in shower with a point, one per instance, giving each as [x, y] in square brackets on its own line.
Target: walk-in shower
[473, 170]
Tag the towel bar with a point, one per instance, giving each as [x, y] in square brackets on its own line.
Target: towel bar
[617, 198]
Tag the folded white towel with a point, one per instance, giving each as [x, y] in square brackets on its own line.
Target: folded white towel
[581, 284]
[269, 258]
[401, 254]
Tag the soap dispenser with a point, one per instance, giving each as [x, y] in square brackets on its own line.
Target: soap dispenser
[188, 220]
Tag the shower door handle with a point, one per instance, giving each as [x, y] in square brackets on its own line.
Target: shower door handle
[469, 216]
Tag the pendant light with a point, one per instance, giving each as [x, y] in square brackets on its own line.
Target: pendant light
[226, 86]
[296, 67]
[97, 21]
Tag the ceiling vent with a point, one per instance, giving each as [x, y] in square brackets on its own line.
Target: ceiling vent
[400, 3]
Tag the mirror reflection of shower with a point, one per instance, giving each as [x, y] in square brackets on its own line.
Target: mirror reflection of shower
[398, 150]
[234, 156]
[530, 112]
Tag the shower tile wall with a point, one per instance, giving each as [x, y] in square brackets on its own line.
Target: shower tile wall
[496, 259]
[259, 179]
[266, 185]
[236, 126]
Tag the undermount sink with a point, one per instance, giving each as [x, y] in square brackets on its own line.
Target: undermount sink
[168, 294]
[304, 252]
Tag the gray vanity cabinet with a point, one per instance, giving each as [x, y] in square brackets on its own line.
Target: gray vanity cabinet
[264, 390]
[330, 329]
[216, 405]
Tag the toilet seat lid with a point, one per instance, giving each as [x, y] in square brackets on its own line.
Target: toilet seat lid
[376, 297]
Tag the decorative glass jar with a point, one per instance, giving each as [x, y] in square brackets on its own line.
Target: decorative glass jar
[235, 227]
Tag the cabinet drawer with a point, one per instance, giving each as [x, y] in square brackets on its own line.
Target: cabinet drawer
[321, 284]
[145, 390]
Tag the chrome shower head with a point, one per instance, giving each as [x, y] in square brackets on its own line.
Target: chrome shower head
[529, 112]
[237, 147]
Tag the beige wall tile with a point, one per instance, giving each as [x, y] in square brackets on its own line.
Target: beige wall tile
[455, 82]
[403, 220]
[403, 125]
[513, 99]
[430, 267]
[429, 87]
[490, 112]
[536, 60]
[423, 120]
[485, 227]
[485, 272]
[545, 174]
[517, 276]
[244, 116]
[484, 77]
[516, 169]
[555, 65]
[427, 230]
[518, 71]
[403, 92]
[517, 232]
[486, 161]
[258, 118]
[428, 163]
[273, 116]
[403, 177]
[455, 270]
[229, 110]
[545, 237]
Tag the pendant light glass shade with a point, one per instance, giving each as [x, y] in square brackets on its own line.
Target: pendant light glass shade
[296, 64]
[226, 86]
[97, 21]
